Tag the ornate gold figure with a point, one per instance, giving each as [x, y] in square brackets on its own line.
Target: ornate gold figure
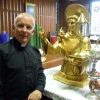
[73, 47]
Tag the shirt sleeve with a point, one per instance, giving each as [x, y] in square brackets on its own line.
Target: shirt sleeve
[1, 81]
[41, 78]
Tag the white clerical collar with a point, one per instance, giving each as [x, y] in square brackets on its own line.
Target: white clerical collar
[23, 44]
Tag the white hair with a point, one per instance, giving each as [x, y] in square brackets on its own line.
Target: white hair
[25, 15]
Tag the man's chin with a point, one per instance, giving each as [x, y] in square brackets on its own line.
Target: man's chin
[24, 42]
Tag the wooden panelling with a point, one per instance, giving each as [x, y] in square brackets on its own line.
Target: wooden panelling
[45, 13]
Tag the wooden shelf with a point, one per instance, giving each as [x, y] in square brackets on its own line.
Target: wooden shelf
[52, 61]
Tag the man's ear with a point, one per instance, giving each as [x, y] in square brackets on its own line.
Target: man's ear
[33, 32]
[13, 27]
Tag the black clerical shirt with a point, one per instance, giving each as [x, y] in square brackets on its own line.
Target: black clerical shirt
[21, 71]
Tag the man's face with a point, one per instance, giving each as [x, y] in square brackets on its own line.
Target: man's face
[23, 29]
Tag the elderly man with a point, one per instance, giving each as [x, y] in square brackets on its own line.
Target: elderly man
[21, 71]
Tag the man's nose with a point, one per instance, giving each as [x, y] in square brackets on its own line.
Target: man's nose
[24, 28]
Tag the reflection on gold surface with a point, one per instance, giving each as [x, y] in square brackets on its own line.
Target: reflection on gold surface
[74, 45]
